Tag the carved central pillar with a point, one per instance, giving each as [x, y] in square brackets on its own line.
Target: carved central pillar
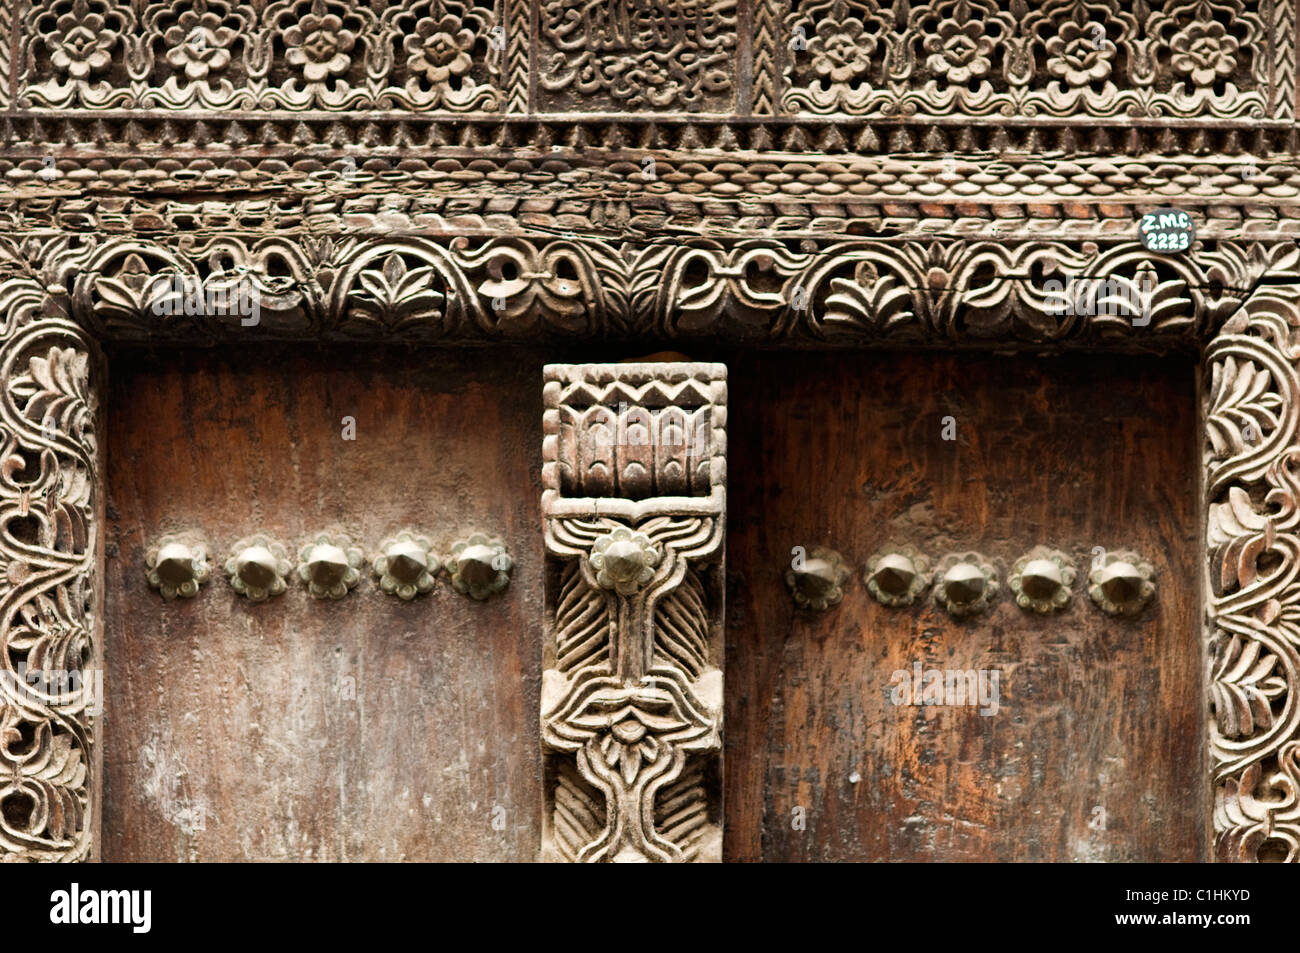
[51, 508]
[634, 505]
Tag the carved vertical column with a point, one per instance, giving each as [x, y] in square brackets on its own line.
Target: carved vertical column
[634, 504]
[51, 509]
[1252, 486]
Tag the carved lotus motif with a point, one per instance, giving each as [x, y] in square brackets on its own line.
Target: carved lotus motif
[841, 50]
[959, 52]
[320, 47]
[439, 50]
[1204, 51]
[82, 44]
[623, 560]
[1078, 55]
[199, 44]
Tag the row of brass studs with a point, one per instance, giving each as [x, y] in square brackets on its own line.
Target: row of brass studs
[1120, 583]
[330, 566]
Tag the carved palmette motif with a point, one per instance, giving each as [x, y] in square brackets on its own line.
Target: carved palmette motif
[1252, 419]
[634, 508]
[51, 682]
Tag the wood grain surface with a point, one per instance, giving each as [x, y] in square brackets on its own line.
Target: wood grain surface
[1096, 751]
[237, 714]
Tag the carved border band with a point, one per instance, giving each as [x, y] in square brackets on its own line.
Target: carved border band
[867, 292]
[1252, 487]
[634, 505]
[51, 511]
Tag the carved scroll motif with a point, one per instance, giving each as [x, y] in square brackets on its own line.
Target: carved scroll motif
[634, 507]
[1252, 420]
[51, 682]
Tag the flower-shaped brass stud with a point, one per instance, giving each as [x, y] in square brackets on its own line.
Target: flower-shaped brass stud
[965, 583]
[405, 566]
[896, 577]
[479, 566]
[178, 565]
[330, 565]
[1120, 583]
[1041, 580]
[816, 578]
[258, 567]
[623, 560]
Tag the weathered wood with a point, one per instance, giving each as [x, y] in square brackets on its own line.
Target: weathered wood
[1101, 718]
[236, 715]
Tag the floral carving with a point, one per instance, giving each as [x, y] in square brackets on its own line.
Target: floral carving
[83, 43]
[632, 689]
[319, 46]
[960, 51]
[1078, 56]
[1055, 57]
[1204, 51]
[439, 50]
[841, 51]
[199, 44]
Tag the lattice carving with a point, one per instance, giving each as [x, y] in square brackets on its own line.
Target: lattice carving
[632, 688]
[51, 680]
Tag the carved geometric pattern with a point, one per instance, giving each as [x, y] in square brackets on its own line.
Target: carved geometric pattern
[1106, 58]
[1252, 468]
[50, 668]
[632, 682]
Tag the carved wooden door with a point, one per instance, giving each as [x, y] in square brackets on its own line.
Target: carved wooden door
[827, 529]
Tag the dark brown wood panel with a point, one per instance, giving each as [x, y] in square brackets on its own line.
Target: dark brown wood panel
[1096, 752]
[238, 714]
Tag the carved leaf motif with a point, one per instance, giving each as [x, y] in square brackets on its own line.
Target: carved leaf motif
[1243, 408]
[398, 295]
[1243, 687]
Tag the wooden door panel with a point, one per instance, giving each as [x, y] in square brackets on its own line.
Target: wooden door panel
[1096, 752]
[234, 717]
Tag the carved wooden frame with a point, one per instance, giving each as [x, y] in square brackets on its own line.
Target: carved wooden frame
[447, 220]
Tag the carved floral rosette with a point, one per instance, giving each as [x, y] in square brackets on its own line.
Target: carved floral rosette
[51, 680]
[632, 683]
